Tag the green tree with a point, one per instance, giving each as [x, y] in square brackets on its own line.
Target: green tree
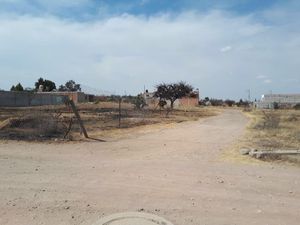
[70, 86]
[18, 87]
[172, 91]
[139, 102]
[48, 85]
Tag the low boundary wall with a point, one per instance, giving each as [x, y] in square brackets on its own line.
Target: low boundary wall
[23, 99]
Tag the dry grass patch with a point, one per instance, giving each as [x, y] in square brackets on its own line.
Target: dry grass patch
[268, 130]
[273, 130]
[101, 120]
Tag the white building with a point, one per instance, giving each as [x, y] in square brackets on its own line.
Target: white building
[268, 101]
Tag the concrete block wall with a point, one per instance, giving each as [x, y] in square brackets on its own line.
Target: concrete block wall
[25, 99]
[77, 97]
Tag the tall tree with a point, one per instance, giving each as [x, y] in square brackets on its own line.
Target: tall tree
[70, 86]
[18, 87]
[48, 85]
[172, 91]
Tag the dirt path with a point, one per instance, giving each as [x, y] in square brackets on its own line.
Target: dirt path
[175, 173]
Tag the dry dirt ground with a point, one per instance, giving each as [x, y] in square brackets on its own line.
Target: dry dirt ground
[174, 172]
[42, 123]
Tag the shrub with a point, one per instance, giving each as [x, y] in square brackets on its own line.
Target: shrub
[229, 102]
[276, 105]
[162, 103]
[216, 102]
[297, 107]
[242, 103]
[139, 102]
[35, 126]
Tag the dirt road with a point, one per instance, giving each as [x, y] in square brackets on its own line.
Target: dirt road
[174, 172]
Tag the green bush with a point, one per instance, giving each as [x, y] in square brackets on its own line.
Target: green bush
[139, 102]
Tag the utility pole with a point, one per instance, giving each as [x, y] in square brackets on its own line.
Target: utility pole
[249, 95]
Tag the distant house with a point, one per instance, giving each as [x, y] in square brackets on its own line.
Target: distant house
[189, 101]
[270, 101]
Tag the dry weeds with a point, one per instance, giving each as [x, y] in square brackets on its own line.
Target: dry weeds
[267, 130]
[100, 119]
[273, 130]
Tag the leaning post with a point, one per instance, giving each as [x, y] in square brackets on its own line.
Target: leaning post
[72, 104]
[120, 100]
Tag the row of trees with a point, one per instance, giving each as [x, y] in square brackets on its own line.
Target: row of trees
[48, 85]
[220, 102]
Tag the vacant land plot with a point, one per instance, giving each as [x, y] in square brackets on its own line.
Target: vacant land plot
[274, 130]
[174, 172]
[101, 120]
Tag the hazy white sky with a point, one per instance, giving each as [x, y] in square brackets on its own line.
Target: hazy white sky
[223, 51]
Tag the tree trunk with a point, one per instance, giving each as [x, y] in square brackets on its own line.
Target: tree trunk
[172, 104]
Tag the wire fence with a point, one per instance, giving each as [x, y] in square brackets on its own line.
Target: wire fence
[59, 121]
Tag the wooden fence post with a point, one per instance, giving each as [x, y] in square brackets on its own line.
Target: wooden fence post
[78, 118]
[120, 99]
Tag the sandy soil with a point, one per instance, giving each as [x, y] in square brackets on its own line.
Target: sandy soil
[175, 172]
